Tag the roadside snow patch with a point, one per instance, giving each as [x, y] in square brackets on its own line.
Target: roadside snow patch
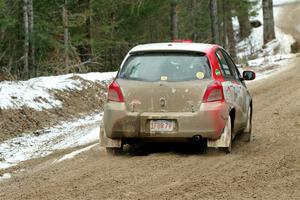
[5, 176]
[267, 66]
[75, 153]
[98, 77]
[281, 2]
[35, 93]
[268, 60]
[254, 43]
[40, 144]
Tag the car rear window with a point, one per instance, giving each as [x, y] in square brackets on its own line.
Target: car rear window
[162, 66]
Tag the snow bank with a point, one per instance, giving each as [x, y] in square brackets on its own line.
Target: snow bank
[35, 93]
[267, 66]
[40, 144]
[254, 43]
[75, 153]
[281, 2]
[264, 62]
[5, 176]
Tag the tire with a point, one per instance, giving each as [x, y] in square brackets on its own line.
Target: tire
[228, 130]
[247, 133]
[114, 151]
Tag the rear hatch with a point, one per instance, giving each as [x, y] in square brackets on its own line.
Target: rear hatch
[164, 81]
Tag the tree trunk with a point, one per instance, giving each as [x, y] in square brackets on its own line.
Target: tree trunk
[214, 22]
[195, 18]
[174, 20]
[244, 24]
[85, 49]
[230, 35]
[89, 29]
[66, 35]
[31, 32]
[269, 32]
[225, 12]
[26, 38]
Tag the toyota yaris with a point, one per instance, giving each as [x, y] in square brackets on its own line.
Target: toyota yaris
[177, 92]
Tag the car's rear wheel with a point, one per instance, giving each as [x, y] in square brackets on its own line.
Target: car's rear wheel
[228, 134]
[247, 133]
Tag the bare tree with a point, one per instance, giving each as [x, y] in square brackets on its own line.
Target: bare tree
[195, 18]
[26, 38]
[225, 12]
[269, 32]
[214, 21]
[244, 23]
[66, 34]
[85, 50]
[31, 31]
[89, 28]
[231, 40]
[174, 20]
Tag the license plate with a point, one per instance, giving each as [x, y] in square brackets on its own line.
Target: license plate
[161, 125]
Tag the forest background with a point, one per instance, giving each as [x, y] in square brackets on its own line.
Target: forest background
[51, 37]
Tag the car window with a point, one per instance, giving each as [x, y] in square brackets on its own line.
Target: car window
[223, 64]
[231, 65]
[166, 66]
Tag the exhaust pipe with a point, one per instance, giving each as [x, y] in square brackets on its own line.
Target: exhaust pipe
[197, 138]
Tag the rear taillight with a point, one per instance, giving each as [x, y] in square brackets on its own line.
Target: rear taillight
[115, 93]
[214, 92]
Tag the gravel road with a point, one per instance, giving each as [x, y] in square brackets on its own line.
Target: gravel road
[266, 168]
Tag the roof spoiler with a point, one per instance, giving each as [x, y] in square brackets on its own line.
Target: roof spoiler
[182, 41]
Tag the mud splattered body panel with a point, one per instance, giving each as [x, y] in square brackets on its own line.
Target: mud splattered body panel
[176, 91]
[208, 121]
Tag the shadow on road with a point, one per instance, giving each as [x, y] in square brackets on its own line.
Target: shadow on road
[179, 148]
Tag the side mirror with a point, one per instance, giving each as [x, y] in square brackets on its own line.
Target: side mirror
[248, 75]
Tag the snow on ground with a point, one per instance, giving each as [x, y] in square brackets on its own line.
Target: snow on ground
[5, 176]
[40, 144]
[35, 93]
[269, 56]
[254, 43]
[267, 61]
[280, 2]
[75, 153]
[267, 66]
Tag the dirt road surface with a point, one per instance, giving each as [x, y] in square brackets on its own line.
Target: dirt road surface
[266, 168]
[289, 19]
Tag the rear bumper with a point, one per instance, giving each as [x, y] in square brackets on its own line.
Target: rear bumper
[208, 122]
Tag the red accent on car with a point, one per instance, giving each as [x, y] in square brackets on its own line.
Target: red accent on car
[115, 93]
[182, 41]
[210, 53]
[214, 92]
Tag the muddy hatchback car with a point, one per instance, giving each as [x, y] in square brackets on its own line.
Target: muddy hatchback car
[177, 92]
